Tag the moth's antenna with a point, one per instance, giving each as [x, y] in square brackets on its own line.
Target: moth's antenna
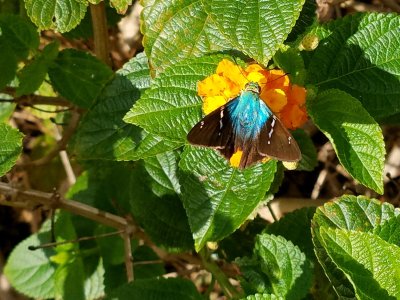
[240, 69]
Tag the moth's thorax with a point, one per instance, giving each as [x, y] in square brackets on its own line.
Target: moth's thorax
[249, 115]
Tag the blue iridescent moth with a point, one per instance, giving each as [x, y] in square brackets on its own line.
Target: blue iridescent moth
[246, 123]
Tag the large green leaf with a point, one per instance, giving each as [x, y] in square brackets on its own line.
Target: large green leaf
[103, 134]
[360, 54]
[31, 272]
[59, 15]
[8, 63]
[32, 75]
[170, 107]
[11, 147]
[277, 267]
[79, 76]
[258, 27]
[20, 34]
[217, 197]
[350, 213]
[157, 289]
[390, 231]
[175, 30]
[370, 263]
[356, 137]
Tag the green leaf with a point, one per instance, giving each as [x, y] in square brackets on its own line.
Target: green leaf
[103, 135]
[6, 108]
[281, 266]
[219, 198]
[29, 271]
[256, 28]
[356, 137]
[389, 230]
[264, 297]
[175, 30]
[157, 289]
[121, 5]
[20, 35]
[350, 213]
[79, 76]
[308, 152]
[370, 263]
[360, 55]
[295, 227]
[11, 147]
[32, 75]
[149, 267]
[291, 62]
[8, 63]
[59, 15]
[162, 217]
[171, 106]
[163, 169]
[308, 17]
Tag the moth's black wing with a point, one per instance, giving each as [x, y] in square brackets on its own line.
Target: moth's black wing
[215, 130]
[275, 141]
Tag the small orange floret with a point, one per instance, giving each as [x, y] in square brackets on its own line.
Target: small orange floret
[212, 103]
[293, 116]
[228, 69]
[297, 95]
[275, 98]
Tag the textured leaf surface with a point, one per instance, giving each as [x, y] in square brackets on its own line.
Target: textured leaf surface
[390, 231]
[360, 54]
[163, 169]
[157, 289]
[171, 106]
[32, 75]
[30, 272]
[104, 135]
[10, 147]
[8, 63]
[217, 197]
[175, 30]
[161, 214]
[372, 265]
[307, 18]
[59, 15]
[350, 213]
[257, 27]
[356, 137]
[295, 227]
[277, 267]
[79, 76]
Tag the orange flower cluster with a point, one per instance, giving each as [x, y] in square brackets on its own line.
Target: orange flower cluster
[284, 99]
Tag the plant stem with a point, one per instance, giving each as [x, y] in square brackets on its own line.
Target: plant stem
[272, 212]
[100, 32]
[228, 289]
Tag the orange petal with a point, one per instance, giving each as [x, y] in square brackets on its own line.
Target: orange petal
[233, 72]
[276, 99]
[297, 95]
[293, 116]
[212, 103]
[277, 79]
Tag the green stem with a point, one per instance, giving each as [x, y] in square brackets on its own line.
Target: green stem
[228, 289]
[272, 212]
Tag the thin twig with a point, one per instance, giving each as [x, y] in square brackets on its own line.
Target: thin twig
[272, 212]
[84, 238]
[128, 256]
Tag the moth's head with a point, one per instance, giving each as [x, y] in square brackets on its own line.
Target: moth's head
[252, 87]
